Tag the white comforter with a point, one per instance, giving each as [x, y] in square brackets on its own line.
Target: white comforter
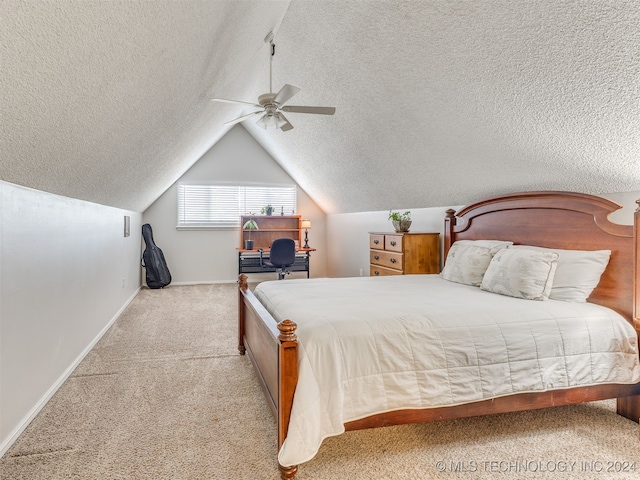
[376, 344]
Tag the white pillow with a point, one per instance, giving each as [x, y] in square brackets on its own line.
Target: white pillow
[521, 273]
[467, 260]
[578, 272]
[493, 245]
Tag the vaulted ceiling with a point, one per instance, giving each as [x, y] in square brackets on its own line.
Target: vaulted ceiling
[438, 102]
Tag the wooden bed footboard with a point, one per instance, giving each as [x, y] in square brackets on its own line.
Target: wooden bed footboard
[628, 405]
[273, 350]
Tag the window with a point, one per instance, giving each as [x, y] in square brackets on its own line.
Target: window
[220, 206]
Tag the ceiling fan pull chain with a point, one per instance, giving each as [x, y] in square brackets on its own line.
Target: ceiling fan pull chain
[273, 52]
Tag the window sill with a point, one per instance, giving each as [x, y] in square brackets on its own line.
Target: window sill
[207, 228]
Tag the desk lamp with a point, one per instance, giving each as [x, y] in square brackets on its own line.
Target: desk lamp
[306, 224]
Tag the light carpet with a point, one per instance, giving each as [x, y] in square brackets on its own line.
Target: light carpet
[165, 395]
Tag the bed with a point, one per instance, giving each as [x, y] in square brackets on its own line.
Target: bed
[276, 331]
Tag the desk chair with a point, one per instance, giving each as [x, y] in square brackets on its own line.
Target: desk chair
[282, 256]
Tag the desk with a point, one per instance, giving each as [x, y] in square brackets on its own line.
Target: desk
[249, 261]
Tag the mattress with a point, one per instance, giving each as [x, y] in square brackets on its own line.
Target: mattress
[371, 345]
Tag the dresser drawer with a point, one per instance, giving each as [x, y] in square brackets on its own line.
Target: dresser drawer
[377, 271]
[376, 241]
[386, 259]
[393, 243]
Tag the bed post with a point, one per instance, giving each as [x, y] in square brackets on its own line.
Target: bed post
[287, 381]
[242, 283]
[629, 407]
[449, 224]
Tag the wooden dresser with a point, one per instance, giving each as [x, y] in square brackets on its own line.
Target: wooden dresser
[403, 253]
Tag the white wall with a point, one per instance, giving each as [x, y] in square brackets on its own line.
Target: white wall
[207, 255]
[627, 200]
[349, 247]
[349, 233]
[66, 272]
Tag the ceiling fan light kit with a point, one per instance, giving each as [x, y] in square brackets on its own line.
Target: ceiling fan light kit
[271, 105]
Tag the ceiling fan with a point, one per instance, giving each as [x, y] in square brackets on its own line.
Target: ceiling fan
[272, 105]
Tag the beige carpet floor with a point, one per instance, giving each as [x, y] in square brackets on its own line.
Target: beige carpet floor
[164, 395]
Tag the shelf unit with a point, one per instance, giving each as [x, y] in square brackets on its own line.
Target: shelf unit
[270, 227]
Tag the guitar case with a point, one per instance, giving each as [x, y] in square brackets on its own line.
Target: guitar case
[153, 261]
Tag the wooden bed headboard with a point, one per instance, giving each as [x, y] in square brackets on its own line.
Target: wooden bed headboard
[565, 220]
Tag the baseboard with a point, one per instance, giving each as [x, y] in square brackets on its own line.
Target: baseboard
[13, 436]
[253, 277]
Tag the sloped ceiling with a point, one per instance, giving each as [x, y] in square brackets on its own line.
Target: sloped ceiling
[108, 101]
[438, 102]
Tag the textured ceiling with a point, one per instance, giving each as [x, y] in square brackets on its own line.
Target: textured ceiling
[108, 101]
[438, 102]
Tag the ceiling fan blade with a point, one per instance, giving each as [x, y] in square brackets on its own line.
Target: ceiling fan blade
[285, 94]
[304, 109]
[242, 118]
[283, 124]
[236, 102]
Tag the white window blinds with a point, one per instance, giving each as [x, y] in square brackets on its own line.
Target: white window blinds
[220, 206]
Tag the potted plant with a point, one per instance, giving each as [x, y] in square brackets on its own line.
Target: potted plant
[268, 210]
[401, 221]
[249, 225]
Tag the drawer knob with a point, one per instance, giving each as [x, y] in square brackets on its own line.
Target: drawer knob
[393, 243]
[376, 257]
[375, 242]
[375, 272]
[393, 260]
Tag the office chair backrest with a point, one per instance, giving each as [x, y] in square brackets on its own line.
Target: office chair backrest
[283, 252]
